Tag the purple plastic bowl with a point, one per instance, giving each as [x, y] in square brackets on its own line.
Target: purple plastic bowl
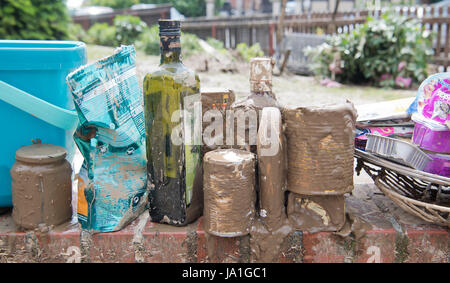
[440, 165]
[425, 138]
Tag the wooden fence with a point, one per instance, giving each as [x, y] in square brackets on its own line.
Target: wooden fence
[262, 28]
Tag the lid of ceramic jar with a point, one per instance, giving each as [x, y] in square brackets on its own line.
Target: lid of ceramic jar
[41, 153]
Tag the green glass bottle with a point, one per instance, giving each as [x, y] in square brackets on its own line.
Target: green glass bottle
[173, 156]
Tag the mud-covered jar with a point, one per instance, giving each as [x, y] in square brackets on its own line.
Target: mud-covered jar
[41, 186]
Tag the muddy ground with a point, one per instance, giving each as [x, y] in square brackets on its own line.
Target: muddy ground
[292, 90]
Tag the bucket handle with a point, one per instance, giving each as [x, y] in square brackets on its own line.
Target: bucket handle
[52, 114]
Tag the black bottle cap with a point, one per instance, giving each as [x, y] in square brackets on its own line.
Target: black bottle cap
[169, 27]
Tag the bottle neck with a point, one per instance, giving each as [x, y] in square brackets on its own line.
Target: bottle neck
[261, 88]
[261, 93]
[170, 49]
[168, 57]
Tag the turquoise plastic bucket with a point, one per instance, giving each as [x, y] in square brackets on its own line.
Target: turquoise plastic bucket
[35, 102]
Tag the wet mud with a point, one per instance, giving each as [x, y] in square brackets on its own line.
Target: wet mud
[320, 142]
[261, 75]
[266, 242]
[247, 112]
[317, 172]
[316, 213]
[354, 226]
[272, 169]
[229, 192]
[221, 101]
[41, 186]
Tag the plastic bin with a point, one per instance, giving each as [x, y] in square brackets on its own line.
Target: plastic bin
[38, 68]
[429, 139]
[440, 164]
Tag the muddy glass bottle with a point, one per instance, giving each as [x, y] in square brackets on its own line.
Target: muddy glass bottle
[261, 82]
[171, 96]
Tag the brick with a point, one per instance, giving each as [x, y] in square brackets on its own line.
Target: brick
[323, 247]
[112, 247]
[13, 248]
[201, 242]
[64, 247]
[377, 246]
[221, 249]
[144, 241]
[428, 246]
[291, 249]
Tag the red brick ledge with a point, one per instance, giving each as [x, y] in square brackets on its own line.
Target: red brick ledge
[163, 243]
[394, 237]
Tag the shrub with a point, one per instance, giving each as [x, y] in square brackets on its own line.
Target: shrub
[102, 34]
[217, 44]
[149, 41]
[128, 28]
[320, 56]
[34, 19]
[76, 32]
[248, 53]
[391, 51]
[189, 44]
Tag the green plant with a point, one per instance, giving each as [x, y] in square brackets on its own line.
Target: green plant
[217, 44]
[34, 19]
[320, 57]
[128, 28]
[102, 34]
[247, 52]
[391, 51]
[189, 44]
[76, 32]
[149, 41]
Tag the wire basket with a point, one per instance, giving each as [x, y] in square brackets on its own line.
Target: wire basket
[419, 193]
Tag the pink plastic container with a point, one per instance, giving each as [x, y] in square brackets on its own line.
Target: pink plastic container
[440, 164]
[428, 139]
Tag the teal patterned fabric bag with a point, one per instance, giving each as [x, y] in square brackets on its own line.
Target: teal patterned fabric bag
[111, 137]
